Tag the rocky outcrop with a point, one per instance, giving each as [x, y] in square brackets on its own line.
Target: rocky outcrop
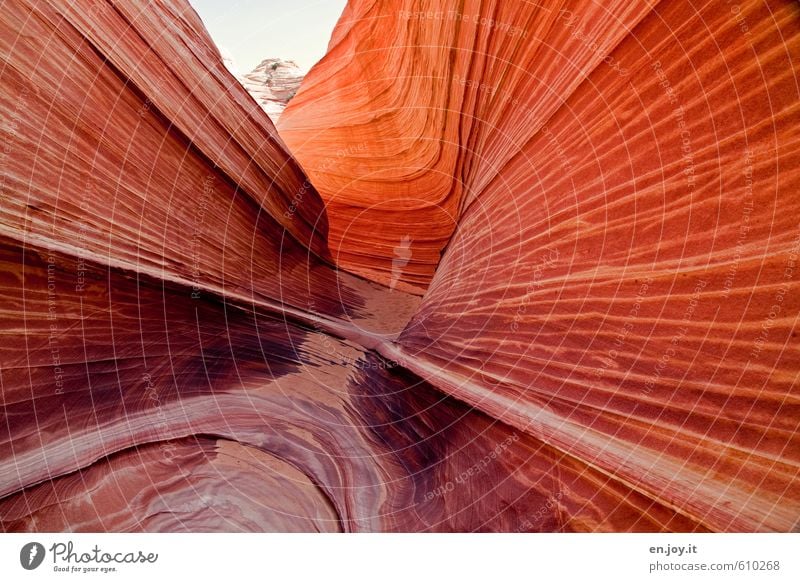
[598, 203]
[272, 84]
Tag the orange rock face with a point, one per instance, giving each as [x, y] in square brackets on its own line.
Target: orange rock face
[598, 206]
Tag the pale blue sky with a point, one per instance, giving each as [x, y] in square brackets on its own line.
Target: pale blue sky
[253, 30]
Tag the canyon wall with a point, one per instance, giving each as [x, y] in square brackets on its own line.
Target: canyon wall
[507, 267]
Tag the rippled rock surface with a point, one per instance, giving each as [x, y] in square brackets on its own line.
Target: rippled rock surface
[541, 274]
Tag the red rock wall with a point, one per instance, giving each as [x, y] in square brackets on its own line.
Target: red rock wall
[623, 280]
[607, 343]
[159, 253]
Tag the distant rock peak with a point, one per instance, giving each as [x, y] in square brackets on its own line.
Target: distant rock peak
[272, 84]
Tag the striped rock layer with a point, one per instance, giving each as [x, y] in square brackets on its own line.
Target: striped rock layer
[272, 84]
[508, 267]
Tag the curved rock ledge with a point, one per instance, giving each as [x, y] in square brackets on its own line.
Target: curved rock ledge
[542, 273]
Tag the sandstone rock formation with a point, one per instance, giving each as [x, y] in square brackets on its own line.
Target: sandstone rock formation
[272, 84]
[542, 274]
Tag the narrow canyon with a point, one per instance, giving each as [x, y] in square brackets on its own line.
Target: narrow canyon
[501, 266]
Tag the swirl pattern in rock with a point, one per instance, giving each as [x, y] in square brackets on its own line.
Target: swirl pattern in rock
[598, 204]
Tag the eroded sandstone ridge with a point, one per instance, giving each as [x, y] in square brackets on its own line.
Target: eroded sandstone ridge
[542, 274]
[273, 83]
